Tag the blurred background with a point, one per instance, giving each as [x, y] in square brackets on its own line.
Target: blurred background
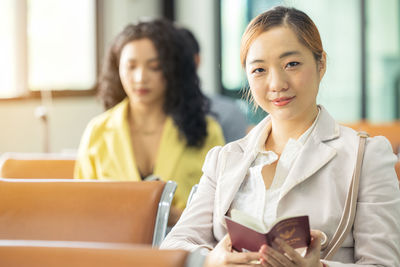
[51, 51]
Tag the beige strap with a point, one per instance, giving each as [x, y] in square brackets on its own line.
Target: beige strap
[349, 212]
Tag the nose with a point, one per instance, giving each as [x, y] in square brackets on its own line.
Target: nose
[277, 81]
[139, 75]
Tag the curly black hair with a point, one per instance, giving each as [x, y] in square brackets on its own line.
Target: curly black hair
[184, 101]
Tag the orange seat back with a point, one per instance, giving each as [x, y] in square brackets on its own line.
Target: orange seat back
[71, 210]
[36, 166]
[20, 255]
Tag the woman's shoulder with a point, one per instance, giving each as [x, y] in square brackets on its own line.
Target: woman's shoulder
[247, 142]
[110, 118]
[372, 141]
[378, 149]
[231, 147]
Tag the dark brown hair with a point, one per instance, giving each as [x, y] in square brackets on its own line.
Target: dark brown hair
[184, 102]
[298, 21]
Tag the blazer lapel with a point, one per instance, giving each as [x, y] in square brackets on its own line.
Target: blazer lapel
[315, 153]
[119, 143]
[235, 165]
[231, 179]
[307, 164]
[170, 150]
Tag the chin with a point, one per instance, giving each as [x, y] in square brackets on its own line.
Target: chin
[141, 101]
[284, 114]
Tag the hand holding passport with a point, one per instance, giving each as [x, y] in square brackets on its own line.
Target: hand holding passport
[249, 234]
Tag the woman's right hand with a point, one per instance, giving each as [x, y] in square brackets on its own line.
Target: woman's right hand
[222, 255]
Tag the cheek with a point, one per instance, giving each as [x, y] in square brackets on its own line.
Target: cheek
[309, 81]
[159, 81]
[123, 75]
[256, 91]
[259, 96]
[257, 88]
[252, 83]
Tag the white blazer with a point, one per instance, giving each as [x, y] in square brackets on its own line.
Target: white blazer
[316, 185]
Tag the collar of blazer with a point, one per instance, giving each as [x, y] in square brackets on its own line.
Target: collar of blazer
[171, 145]
[238, 156]
[117, 138]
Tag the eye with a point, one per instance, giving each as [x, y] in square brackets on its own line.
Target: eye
[130, 67]
[155, 67]
[292, 64]
[258, 70]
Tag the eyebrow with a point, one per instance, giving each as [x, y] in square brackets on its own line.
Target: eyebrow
[256, 61]
[148, 61]
[153, 59]
[289, 53]
[286, 54]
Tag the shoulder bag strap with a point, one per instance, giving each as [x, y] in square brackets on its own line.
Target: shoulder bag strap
[349, 212]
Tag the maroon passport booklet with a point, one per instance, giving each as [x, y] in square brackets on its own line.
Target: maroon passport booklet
[295, 231]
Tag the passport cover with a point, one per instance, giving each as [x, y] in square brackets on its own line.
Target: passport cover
[295, 231]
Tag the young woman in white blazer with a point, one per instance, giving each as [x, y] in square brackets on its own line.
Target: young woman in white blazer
[298, 160]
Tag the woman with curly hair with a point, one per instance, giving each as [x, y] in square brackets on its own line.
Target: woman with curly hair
[156, 122]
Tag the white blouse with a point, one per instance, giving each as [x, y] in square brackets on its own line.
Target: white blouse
[252, 197]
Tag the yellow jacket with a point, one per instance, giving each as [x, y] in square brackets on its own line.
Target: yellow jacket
[106, 152]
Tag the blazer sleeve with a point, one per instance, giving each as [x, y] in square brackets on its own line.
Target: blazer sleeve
[376, 229]
[194, 229]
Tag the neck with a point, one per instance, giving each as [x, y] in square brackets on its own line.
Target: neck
[146, 119]
[283, 130]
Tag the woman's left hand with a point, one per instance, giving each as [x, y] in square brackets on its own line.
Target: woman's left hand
[272, 257]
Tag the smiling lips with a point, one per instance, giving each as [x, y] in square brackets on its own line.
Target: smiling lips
[282, 101]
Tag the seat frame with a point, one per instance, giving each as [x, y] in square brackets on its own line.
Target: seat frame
[164, 206]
